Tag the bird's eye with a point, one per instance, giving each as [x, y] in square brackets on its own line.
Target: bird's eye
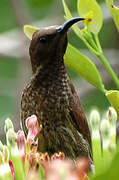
[43, 39]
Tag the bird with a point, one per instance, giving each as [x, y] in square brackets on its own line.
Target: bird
[51, 96]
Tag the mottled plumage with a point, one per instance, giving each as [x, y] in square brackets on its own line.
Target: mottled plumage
[50, 95]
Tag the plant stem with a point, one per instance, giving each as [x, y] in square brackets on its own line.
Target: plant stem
[105, 61]
[97, 154]
[91, 41]
[103, 90]
[99, 53]
[109, 69]
[98, 42]
[90, 47]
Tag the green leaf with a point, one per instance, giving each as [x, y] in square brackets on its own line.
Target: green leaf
[114, 11]
[41, 172]
[113, 97]
[109, 2]
[115, 14]
[112, 172]
[68, 16]
[18, 166]
[29, 30]
[87, 6]
[83, 66]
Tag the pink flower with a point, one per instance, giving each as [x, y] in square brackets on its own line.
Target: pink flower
[21, 144]
[31, 156]
[83, 164]
[43, 158]
[33, 129]
[67, 169]
[12, 169]
[58, 169]
[59, 155]
[32, 175]
[82, 167]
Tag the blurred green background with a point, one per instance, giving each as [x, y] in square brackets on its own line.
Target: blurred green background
[14, 60]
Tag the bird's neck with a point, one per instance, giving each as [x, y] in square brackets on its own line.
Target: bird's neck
[51, 75]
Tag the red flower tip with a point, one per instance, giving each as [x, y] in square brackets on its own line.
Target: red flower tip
[12, 169]
[112, 5]
[21, 144]
[89, 20]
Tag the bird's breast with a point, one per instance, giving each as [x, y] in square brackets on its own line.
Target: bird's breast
[48, 98]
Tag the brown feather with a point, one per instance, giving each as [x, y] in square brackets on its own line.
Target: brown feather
[78, 113]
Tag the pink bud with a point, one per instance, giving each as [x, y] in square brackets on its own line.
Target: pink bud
[31, 122]
[33, 128]
[21, 144]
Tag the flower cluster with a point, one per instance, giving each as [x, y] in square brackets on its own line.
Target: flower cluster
[20, 159]
[103, 138]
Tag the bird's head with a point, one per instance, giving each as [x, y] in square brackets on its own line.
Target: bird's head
[48, 44]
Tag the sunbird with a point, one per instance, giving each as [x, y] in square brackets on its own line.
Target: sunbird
[51, 96]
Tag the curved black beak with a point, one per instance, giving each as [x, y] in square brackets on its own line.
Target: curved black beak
[64, 28]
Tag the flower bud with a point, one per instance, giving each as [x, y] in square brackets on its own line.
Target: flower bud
[94, 119]
[112, 115]
[33, 129]
[31, 122]
[11, 137]
[8, 125]
[21, 144]
[1, 146]
[96, 141]
[15, 155]
[105, 129]
[6, 153]
[1, 158]
[112, 147]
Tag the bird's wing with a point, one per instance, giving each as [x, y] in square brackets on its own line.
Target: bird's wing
[78, 115]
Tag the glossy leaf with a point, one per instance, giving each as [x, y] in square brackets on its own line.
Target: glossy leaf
[91, 6]
[115, 14]
[83, 66]
[114, 11]
[68, 16]
[113, 97]
[29, 30]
